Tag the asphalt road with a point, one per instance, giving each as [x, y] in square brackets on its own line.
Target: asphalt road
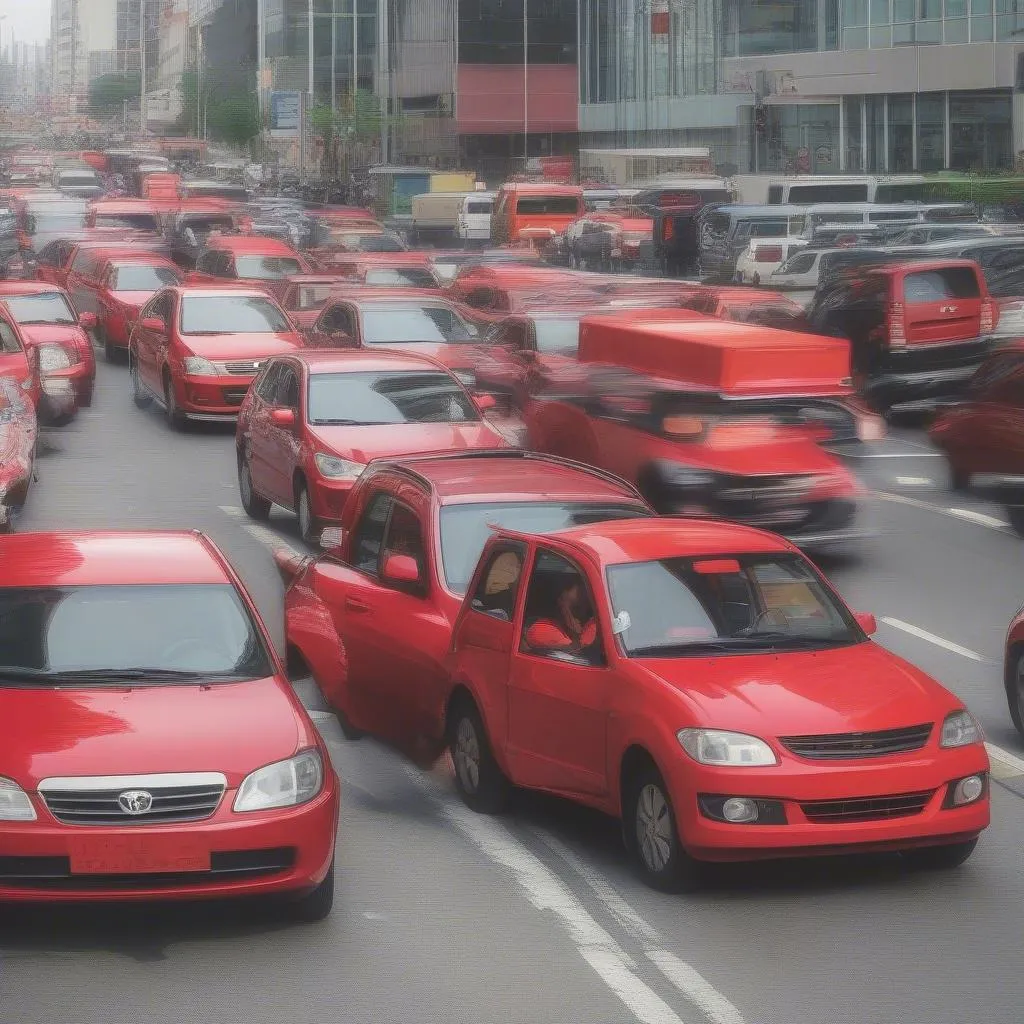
[445, 916]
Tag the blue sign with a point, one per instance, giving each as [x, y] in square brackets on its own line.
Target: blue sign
[285, 111]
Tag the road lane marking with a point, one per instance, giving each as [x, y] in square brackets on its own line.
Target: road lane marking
[638, 996]
[263, 534]
[891, 455]
[1010, 765]
[978, 517]
[915, 481]
[923, 634]
[696, 988]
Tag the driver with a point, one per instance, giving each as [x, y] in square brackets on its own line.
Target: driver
[577, 615]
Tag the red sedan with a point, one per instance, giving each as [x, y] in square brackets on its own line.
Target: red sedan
[313, 421]
[129, 660]
[705, 683]
[196, 350]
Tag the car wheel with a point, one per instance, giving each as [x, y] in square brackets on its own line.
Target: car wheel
[651, 834]
[111, 352]
[1015, 513]
[959, 478]
[255, 505]
[1015, 691]
[175, 419]
[939, 858]
[479, 780]
[141, 397]
[349, 731]
[315, 905]
[304, 510]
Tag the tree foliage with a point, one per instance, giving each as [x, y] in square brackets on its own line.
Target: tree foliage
[233, 118]
[108, 92]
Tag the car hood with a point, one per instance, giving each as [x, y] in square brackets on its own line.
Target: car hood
[69, 335]
[362, 444]
[231, 728]
[848, 689]
[221, 347]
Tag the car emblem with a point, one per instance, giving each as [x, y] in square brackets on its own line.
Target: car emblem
[135, 801]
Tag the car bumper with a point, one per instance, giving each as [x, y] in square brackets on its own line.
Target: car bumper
[904, 380]
[212, 398]
[327, 498]
[263, 854]
[803, 794]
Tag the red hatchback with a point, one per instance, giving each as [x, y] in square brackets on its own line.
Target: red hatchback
[129, 662]
[196, 350]
[314, 420]
[704, 683]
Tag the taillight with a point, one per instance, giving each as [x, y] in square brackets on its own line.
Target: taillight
[988, 316]
[897, 327]
[768, 254]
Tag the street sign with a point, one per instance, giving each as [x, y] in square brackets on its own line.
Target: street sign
[285, 112]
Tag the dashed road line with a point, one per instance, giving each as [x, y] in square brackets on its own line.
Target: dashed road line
[978, 517]
[915, 481]
[964, 515]
[932, 638]
[265, 536]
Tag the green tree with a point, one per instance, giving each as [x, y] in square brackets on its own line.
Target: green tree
[108, 92]
[233, 118]
[189, 89]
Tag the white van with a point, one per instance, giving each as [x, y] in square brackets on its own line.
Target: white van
[474, 219]
[763, 257]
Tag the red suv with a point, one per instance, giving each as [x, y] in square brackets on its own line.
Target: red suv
[312, 422]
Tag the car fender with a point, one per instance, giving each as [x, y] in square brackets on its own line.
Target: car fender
[636, 729]
[309, 629]
[492, 708]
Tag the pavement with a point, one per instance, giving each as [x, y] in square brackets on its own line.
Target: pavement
[446, 916]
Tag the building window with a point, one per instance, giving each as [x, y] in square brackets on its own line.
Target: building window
[931, 131]
[491, 32]
[980, 130]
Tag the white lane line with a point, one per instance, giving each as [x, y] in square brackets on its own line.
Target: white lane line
[915, 481]
[923, 634]
[547, 892]
[697, 989]
[978, 517]
[892, 455]
[1010, 764]
[265, 536]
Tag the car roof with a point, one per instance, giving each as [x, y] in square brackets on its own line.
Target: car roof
[251, 243]
[622, 541]
[510, 475]
[913, 266]
[95, 558]
[361, 360]
[29, 288]
[185, 290]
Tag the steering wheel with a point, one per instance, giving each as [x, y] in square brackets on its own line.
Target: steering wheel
[771, 617]
[199, 653]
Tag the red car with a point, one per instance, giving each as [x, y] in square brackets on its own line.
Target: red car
[704, 683]
[412, 531]
[196, 350]
[313, 421]
[49, 323]
[129, 660]
[18, 429]
[249, 258]
[114, 289]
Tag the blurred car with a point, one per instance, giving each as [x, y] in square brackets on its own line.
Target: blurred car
[197, 349]
[334, 239]
[312, 422]
[691, 679]
[763, 256]
[144, 652]
[18, 431]
[188, 232]
[252, 259]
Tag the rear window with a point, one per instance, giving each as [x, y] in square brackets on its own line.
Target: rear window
[849, 193]
[142, 278]
[479, 208]
[764, 229]
[555, 206]
[137, 221]
[937, 285]
[401, 277]
[557, 335]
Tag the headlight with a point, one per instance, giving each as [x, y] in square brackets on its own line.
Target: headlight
[54, 357]
[197, 366]
[338, 469]
[733, 749]
[960, 729]
[14, 802]
[284, 784]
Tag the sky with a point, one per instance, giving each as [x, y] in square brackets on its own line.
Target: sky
[28, 20]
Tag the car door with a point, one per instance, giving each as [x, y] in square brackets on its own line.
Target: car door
[258, 448]
[83, 285]
[281, 444]
[50, 260]
[558, 698]
[150, 345]
[999, 445]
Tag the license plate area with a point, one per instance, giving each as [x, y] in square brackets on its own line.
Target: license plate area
[136, 855]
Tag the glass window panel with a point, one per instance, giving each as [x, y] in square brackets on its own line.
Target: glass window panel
[981, 29]
[928, 32]
[881, 38]
[902, 35]
[956, 30]
[879, 12]
[855, 39]
[904, 10]
[855, 12]
[981, 6]
[956, 8]
[1007, 26]
[930, 9]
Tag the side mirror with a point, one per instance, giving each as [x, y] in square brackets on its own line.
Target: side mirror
[290, 564]
[867, 622]
[155, 324]
[282, 417]
[332, 538]
[546, 636]
[87, 320]
[401, 569]
[485, 402]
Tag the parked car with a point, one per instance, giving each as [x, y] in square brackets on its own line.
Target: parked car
[144, 651]
[690, 679]
[412, 531]
[187, 233]
[312, 422]
[197, 349]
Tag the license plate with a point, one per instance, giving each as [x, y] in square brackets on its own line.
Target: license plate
[136, 855]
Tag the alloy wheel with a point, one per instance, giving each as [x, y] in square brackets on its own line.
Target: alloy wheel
[466, 755]
[653, 828]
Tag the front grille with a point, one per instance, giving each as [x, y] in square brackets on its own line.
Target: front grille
[234, 396]
[245, 367]
[867, 808]
[848, 745]
[101, 807]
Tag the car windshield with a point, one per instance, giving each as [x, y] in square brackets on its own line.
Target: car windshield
[466, 527]
[231, 314]
[39, 222]
[557, 335]
[312, 295]
[143, 278]
[183, 632]
[404, 277]
[362, 399]
[202, 226]
[44, 308]
[135, 221]
[388, 325]
[266, 268]
[372, 242]
[681, 606]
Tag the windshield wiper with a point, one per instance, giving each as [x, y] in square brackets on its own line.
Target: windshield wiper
[63, 323]
[757, 641]
[115, 675]
[349, 423]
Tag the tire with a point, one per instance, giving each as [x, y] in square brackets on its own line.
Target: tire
[959, 479]
[649, 826]
[1014, 684]
[1015, 513]
[175, 420]
[304, 511]
[255, 505]
[315, 905]
[939, 858]
[480, 782]
[141, 397]
[111, 352]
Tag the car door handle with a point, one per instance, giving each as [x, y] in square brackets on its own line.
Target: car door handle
[353, 604]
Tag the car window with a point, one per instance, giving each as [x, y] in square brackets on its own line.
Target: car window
[286, 393]
[400, 324]
[802, 263]
[557, 335]
[405, 536]
[558, 595]
[378, 398]
[369, 536]
[310, 295]
[266, 268]
[559, 206]
[231, 314]
[337, 320]
[9, 343]
[132, 221]
[142, 278]
[266, 384]
[499, 585]
[404, 277]
[938, 285]
[160, 307]
[42, 308]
